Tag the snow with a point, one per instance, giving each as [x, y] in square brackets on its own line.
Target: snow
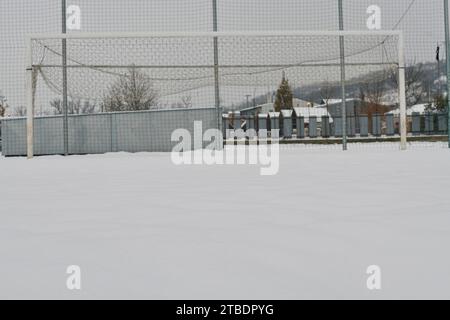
[266, 108]
[318, 112]
[420, 108]
[441, 79]
[299, 103]
[269, 107]
[287, 113]
[141, 227]
[274, 115]
[336, 101]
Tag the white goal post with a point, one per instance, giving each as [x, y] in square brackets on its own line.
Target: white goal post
[182, 61]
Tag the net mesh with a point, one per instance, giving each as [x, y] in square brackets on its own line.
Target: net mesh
[422, 22]
[97, 68]
[179, 70]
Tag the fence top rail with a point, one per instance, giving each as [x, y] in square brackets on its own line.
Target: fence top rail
[99, 114]
[98, 35]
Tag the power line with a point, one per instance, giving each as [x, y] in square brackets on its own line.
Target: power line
[404, 14]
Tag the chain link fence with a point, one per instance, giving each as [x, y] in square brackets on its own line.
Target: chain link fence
[179, 73]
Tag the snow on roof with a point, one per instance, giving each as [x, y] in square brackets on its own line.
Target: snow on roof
[336, 101]
[287, 113]
[253, 108]
[388, 99]
[312, 112]
[274, 114]
[231, 114]
[269, 107]
[420, 108]
[441, 79]
[269, 104]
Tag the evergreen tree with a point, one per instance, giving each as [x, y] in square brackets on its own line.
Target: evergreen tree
[441, 102]
[284, 96]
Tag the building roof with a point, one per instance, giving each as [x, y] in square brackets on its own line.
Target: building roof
[274, 114]
[312, 112]
[298, 103]
[337, 101]
[287, 113]
[420, 108]
[269, 107]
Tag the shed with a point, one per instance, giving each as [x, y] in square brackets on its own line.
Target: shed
[286, 118]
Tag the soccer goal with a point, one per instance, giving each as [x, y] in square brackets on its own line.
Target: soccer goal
[83, 74]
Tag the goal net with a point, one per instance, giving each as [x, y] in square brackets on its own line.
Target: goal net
[109, 73]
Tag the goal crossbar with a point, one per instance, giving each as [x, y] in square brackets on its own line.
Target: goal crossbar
[118, 35]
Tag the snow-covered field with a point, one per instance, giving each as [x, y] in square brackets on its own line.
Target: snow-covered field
[141, 227]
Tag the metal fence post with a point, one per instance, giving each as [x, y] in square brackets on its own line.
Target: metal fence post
[447, 53]
[64, 84]
[402, 92]
[342, 56]
[216, 67]
[30, 102]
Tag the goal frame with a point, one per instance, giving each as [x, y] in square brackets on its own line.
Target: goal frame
[212, 35]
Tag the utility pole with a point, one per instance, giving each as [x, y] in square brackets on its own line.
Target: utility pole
[447, 53]
[216, 67]
[438, 69]
[247, 96]
[64, 84]
[342, 56]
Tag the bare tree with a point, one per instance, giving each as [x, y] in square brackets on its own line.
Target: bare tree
[184, 103]
[372, 91]
[20, 111]
[131, 92]
[2, 110]
[415, 89]
[326, 93]
[73, 107]
[3, 106]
